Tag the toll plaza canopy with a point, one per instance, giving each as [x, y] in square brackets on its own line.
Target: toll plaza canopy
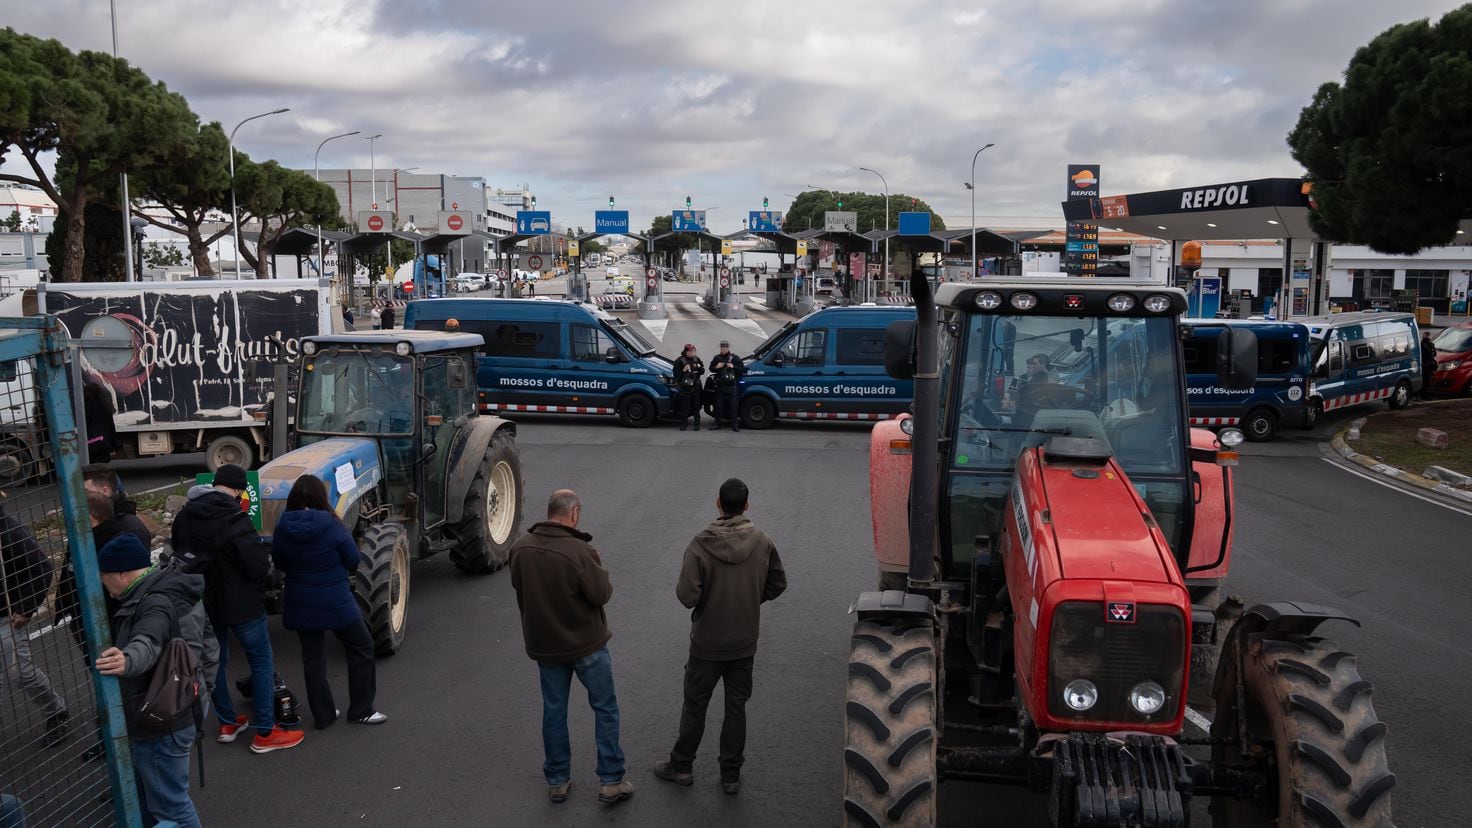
[1264, 208]
[300, 241]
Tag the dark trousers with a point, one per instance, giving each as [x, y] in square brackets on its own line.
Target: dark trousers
[728, 404]
[362, 682]
[687, 405]
[700, 682]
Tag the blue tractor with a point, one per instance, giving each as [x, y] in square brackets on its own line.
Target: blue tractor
[388, 420]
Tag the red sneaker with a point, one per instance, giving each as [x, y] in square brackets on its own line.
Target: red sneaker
[228, 732]
[277, 739]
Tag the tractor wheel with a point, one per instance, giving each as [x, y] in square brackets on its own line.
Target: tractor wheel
[1205, 656]
[1401, 396]
[492, 519]
[1308, 714]
[889, 776]
[382, 585]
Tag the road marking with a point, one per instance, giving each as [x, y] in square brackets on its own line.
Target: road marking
[1373, 479]
[655, 327]
[747, 326]
[1197, 718]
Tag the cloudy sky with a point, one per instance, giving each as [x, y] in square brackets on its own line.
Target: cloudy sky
[650, 101]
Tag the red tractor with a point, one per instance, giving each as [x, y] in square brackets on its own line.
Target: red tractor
[1052, 538]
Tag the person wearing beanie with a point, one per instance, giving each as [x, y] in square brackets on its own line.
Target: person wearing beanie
[688, 369]
[151, 604]
[213, 536]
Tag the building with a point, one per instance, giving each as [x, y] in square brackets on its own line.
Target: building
[37, 210]
[416, 199]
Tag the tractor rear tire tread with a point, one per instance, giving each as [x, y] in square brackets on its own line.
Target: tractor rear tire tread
[373, 585]
[474, 550]
[889, 761]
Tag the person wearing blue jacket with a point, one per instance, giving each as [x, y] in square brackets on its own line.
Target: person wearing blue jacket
[318, 556]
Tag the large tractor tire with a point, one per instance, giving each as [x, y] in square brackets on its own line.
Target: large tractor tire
[1305, 702]
[1206, 655]
[889, 776]
[382, 585]
[493, 507]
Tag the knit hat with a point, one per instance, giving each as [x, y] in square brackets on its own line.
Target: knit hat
[124, 553]
[230, 476]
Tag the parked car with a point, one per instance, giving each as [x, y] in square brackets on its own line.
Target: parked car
[1453, 361]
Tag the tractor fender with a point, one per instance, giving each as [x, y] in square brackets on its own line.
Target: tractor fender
[1271, 620]
[893, 603]
[889, 495]
[1211, 535]
[465, 455]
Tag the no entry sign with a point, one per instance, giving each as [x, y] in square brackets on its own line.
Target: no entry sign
[375, 223]
[454, 222]
[534, 262]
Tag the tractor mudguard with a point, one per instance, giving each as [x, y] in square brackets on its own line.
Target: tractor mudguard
[1272, 620]
[892, 603]
[465, 456]
[889, 495]
[1210, 556]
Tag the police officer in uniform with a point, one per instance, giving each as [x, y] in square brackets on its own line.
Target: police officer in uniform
[726, 370]
[688, 370]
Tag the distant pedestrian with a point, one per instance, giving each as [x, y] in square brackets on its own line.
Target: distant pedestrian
[688, 370]
[319, 557]
[214, 538]
[154, 605]
[376, 316]
[1428, 365]
[726, 371]
[730, 569]
[102, 433]
[561, 589]
[347, 315]
[386, 318]
[25, 577]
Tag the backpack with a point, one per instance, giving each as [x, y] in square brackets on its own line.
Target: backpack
[175, 689]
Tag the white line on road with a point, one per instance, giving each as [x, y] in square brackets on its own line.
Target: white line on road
[655, 327]
[747, 326]
[1196, 718]
[1433, 501]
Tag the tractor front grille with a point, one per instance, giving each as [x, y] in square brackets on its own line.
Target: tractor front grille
[1115, 657]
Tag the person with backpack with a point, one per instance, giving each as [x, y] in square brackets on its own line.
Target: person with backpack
[319, 556]
[159, 610]
[213, 537]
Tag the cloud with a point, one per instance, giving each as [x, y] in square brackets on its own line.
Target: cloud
[652, 101]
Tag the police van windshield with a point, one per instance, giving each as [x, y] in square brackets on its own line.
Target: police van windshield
[771, 342]
[357, 392]
[1027, 378]
[623, 332]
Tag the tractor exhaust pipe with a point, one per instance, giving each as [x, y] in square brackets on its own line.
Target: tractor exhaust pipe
[925, 440]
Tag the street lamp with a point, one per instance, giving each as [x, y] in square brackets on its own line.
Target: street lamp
[971, 185]
[127, 206]
[886, 230]
[234, 211]
[373, 168]
[317, 174]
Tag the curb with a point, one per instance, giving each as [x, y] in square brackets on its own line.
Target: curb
[1352, 432]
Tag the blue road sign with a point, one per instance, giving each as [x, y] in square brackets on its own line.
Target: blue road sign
[533, 222]
[611, 221]
[687, 221]
[764, 221]
[914, 224]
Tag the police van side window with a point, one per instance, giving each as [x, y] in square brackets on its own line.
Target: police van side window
[589, 344]
[1277, 356]
[528, 340]
[1200, 355]
[860, 347]
[806, 348]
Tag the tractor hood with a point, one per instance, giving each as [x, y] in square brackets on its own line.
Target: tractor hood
[348, 465]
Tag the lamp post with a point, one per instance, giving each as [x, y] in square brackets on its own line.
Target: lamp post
[885, 277]
[317, 174]
[127, 207]
[234, 211]
[373, 168]
[971, 185]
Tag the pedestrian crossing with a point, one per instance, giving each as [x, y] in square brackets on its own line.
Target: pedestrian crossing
[695, 312]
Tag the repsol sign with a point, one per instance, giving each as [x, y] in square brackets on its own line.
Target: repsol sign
[1211, 198]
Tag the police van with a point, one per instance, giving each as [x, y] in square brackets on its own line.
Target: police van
[1279, 398]
[829, 365]
[1365, 356]
[555, 357]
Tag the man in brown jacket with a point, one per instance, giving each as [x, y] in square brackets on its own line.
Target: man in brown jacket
[561, 587]
[730, 569]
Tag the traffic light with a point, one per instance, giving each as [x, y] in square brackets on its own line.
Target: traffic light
[687, 202]
[764, 202]
[534, 202]
[840, 204]
[610, 202]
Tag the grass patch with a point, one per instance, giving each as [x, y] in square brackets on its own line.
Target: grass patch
[1391, 437]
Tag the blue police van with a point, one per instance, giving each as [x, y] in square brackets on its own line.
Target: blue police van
[829, 365]
[1279, 398]
[1364, 356]
[553, 357]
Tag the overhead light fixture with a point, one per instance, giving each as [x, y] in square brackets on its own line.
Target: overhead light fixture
[1272, 221]
[1461, 232]
[1160, 227]
[1209, 224]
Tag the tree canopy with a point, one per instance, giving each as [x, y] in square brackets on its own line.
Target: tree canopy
[279, 199]
[1389, 151]
[807, 210]
[192, 187]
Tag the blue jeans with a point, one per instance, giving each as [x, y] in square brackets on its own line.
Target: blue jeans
[162, 766]
[595, 671]
[255, 639]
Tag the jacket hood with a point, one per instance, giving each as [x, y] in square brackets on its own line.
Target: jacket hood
[548, 529]
[214, 505]
[304, 524]
[201, 489]
[729, 540]
[183, 589]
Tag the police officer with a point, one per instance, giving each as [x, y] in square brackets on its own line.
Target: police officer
[726, 370]
[688, 370]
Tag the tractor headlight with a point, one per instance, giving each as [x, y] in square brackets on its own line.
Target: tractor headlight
[309, 347]
[1147, 698]
[403, 349]
[1231, 437]
[1080, 694]
[907, 425]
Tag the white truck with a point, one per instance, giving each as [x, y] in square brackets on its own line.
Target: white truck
[190, 376]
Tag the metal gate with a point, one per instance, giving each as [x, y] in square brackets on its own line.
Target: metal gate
[64, 750]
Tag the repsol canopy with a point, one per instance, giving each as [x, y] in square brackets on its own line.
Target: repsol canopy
[1264, 208]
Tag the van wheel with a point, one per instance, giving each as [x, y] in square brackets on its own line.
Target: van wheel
[757, 412]
[1401, 396]
[1260, 424]
[1312, 412]
[636, 411]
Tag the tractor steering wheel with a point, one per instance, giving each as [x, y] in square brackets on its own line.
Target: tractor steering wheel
[1039, 395]
[358, 419]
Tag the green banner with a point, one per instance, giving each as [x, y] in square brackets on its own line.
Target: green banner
[250, 502]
